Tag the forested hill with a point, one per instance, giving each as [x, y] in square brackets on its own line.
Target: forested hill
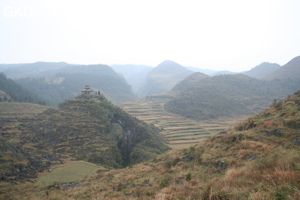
[16, 92]
[188, 82]
[227, 95]
[59, 84]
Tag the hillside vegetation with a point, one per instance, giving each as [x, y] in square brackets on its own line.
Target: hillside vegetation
[163, 78]
[96, 131]
[11, 91]
[188, 82]
[263, 70]
[258, 158]
[86, 128]
[228, 95]
[68, 81]
[56, 82]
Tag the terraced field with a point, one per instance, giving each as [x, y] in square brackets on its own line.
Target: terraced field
[179, 131]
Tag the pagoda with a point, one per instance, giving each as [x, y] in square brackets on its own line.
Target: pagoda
[87, 90]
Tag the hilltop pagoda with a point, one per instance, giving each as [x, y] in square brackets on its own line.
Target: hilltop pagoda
[87, 90]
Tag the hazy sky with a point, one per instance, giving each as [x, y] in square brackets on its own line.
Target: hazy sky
[235, 35]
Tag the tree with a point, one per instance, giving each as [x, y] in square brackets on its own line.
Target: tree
[5, 98]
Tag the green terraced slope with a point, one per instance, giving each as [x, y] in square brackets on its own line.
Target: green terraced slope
[179, 131]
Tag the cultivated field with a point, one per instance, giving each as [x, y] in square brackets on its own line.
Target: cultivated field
[20, 110]
[180, 132]
[75, 171]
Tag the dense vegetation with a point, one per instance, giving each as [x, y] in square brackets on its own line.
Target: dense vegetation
[256, 159]
[16, 92]
[229, 95]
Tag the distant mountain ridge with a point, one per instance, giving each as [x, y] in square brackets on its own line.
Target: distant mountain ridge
[263, 70]
[37, 69]
[163, 78]
[291, 70]
[188, 82]
[56, 82]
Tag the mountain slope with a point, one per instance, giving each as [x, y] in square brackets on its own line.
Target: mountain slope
[87, 128]
[263, 70]
[188, 82]
[256, 159]
[92, 129]
[226, 95]
[38, 69]
[163, 78]
[16, 92]
[291, 70]
[60, 84]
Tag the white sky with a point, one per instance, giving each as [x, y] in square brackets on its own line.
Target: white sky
[234, 35]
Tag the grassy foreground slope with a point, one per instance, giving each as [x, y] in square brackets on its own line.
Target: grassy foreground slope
[257, 159]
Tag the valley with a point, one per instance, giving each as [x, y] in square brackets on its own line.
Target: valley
[180, 132]
[185, 133]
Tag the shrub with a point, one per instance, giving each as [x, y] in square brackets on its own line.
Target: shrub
[164, 182]
[188, 177]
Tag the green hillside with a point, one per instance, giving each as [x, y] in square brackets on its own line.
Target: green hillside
[256, 159]
[227, 95]
[163, 78]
